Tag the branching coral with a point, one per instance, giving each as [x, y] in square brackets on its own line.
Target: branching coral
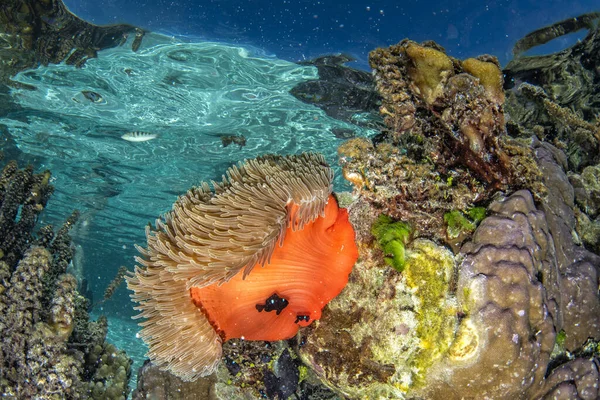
[44, 353]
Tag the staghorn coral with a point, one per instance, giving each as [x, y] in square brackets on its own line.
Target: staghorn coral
[41, 316]
[23, 195]
[199, 283]
[115, 283]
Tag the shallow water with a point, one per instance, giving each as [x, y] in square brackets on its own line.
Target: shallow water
[189, 94]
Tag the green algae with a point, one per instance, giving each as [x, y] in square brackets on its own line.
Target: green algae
[428, 271]
[459, 223]
[392, 236]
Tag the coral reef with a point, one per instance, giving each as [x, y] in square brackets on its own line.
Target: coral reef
[455, 107]
[568, 77]
[535, 113]
[507, 333]
[446, 148]
[482, 321]
[48, 342]
[252, 370]
[488, 321]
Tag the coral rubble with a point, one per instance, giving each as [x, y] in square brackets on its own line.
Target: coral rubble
[49, 348]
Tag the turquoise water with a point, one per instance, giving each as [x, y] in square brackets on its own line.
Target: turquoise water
[189, 94]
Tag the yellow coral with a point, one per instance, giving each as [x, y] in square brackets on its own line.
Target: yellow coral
[465, 345]
[429, 71]
[489, 75]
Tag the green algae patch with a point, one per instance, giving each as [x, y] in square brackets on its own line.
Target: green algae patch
[392, 236]
[428, 272]
[459, 223]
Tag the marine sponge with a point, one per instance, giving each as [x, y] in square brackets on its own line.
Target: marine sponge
[199, 283]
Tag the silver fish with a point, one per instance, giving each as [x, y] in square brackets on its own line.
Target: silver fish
[137, 136]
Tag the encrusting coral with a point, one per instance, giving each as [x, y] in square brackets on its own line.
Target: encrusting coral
[256, 258]
[47, 338]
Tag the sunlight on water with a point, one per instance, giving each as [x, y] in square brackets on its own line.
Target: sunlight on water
[72, 121]
[189, 94]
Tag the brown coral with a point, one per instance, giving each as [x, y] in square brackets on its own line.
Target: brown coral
[457, 106]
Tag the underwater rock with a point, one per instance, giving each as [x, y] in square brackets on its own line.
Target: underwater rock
[445, 150]
[44, 32]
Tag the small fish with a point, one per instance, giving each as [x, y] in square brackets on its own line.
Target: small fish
[137, 136]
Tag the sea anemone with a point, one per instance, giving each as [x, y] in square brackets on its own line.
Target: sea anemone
[198, 282]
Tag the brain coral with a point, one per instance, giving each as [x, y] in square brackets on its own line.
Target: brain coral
[256, 258]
